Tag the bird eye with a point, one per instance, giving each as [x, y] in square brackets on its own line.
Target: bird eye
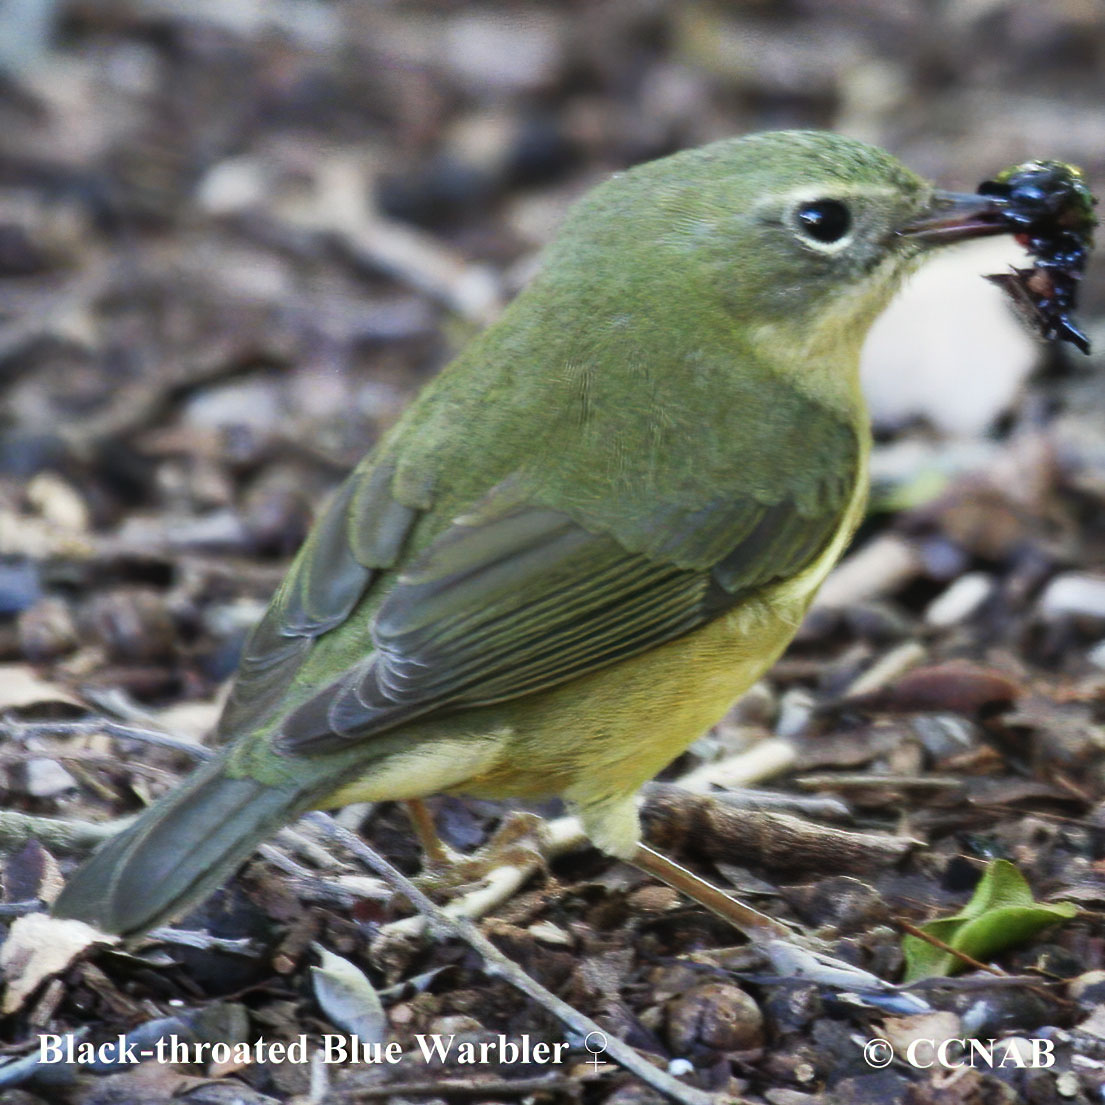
[823, 220]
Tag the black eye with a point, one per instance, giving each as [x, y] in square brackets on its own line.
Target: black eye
[824, 220]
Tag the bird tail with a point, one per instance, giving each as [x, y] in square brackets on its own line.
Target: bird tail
[177, 851]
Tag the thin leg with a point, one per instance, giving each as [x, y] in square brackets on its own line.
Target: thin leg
[434, 851]
[757, 926]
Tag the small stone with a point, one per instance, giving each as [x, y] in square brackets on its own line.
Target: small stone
[1067, 1084]
[1088, 988]
[234, 184]
[654, 899]
[46, 631]
[795, 710]
[1077, 594]
[46, 778]
[840, 901]
[715, 1015]
[545, 932]
[499, 50]
[251, 402]
[20, 587]
[58, 502]
[945, 736]
[959, 601]
[133, 625]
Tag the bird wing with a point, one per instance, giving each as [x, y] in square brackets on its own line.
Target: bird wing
[516, 598]
[360, 534]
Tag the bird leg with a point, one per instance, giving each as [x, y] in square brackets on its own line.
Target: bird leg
[756, 926]
[448, 868]
[518, 843]
[436, 853]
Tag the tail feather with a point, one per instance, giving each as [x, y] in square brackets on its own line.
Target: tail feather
[178, 851]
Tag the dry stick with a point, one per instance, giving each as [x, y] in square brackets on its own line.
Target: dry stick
[52, 832]
[19, 730]
[936, 942]
[497, 964]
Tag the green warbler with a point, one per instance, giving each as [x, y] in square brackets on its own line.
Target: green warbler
[588, 535]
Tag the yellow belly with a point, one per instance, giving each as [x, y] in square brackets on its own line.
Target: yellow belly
[597, 739]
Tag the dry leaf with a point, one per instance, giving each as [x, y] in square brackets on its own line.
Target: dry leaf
[20, 686]
[347, 998]
[39, 946]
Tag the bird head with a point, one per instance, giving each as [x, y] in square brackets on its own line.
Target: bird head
[794, 240]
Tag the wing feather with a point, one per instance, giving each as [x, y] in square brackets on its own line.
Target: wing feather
[361, 532]
[507, 602]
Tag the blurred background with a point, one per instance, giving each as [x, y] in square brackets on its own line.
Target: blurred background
[235, 236]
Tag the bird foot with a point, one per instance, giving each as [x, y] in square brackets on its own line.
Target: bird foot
[514, 852]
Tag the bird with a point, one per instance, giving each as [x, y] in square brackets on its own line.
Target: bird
[587, 536]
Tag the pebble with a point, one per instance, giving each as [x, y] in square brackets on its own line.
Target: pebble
[19, 586]
[717, 1015]
[492, 50]
[46, 630]
[253, 402]
[46, 778]
[960, 600]
[134, 625]
[1074, 593]
[795, 710]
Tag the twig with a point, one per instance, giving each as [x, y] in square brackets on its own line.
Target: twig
[846, 781]
[880, 567]
[85, 757]
[678, 822]
[309, 849]
[884, 671]
[936, 942]
[19, 730]
[338, 207]
[17, 828]
[342, 890]
[190, 938]
[496, 964]
[763, 760]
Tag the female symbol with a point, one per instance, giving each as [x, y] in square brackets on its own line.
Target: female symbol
[595, 1043]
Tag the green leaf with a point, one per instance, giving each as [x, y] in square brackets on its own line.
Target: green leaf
[1001, 914]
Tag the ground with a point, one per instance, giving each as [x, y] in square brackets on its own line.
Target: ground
[235, 239]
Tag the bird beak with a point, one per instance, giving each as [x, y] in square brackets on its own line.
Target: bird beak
[956, 216]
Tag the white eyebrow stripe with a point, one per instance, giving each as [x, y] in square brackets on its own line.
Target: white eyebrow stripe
[834, 190]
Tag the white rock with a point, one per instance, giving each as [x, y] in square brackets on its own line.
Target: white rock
[232, 185]
[253, 403]
[496, 49]
[960, 600]
[1074, 593]
[47, 778]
